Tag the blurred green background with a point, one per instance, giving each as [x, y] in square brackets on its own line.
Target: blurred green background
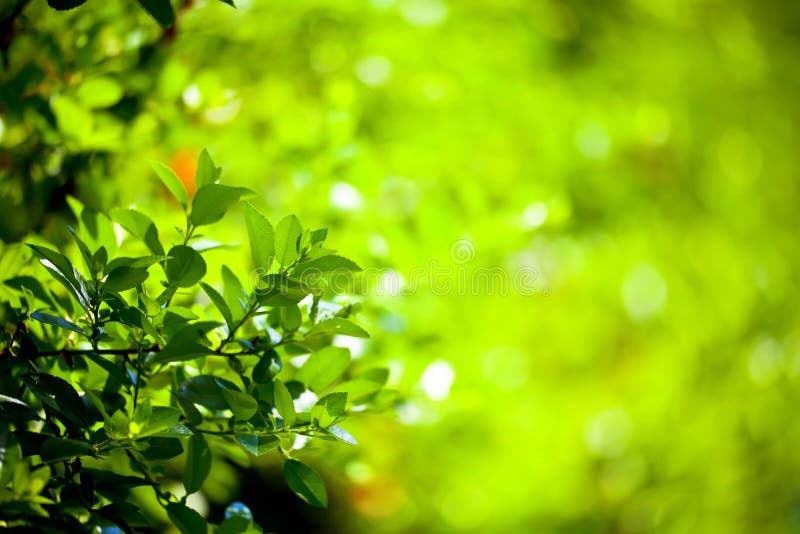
[629, 167]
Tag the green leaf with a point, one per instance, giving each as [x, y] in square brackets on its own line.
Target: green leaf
[237, 298]
[140, 226]
[198, 463]
[241, 404]
[257, 444]
[207, 391]
[56, 450]
[185, 267]
[262, 237]
[207, 172]
[323, 367]
[162, 418]
[287, 234]
[328, 409]
[325, 264]
[62, 270]
[167, 175]
[141, 262]
[159, 448]
[161, 10]
[305, 482]
[187, 343]
[342, 434]
[211, 202]
[58, 321]
[219, 302]
[10, 456]
[100, 92]
[267, 367]
[318, 236]
[337, 326]
[124, 278]
[187, 520]
[284, 404]
[59, 396]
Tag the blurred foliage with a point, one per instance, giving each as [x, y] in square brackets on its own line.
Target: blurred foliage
[640, 155]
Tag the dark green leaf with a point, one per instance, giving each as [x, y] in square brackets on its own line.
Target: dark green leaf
[161, 418]
[206, 390]
[185, 267]
[323, 367]
[161, 10]
[305, 482]
[165, 174]
[211, 202]
[55, 450]
[287, 233]
[63, 5]
[187, 520]
[267, 367]
[58, 321]
[262, 237]
[198, 463]
[157, 448]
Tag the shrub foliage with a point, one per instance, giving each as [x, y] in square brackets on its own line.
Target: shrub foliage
[111, 365]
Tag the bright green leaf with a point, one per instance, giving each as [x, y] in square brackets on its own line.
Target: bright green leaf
[323, 367]
[287, 233]
[171, 180]
[284, 404]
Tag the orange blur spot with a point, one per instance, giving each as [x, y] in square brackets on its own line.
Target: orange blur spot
[184, 163]
[377, 498]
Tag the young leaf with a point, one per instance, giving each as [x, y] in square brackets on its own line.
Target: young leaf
[284, 404]
[58, 321]
[207, 172]
[198, 463]
[219, 302]
[187, 520]
[323, 367]
[185, 267]
[124, 278]
[257, 444]
[337, 325]
[165, 174]
[262, 237]
[328, 409]
[305, 482]
[237, 298]
[211, 202]
[325, 264]
[286, 235]
[140, 226]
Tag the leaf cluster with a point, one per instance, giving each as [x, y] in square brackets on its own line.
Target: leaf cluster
[113, 369]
